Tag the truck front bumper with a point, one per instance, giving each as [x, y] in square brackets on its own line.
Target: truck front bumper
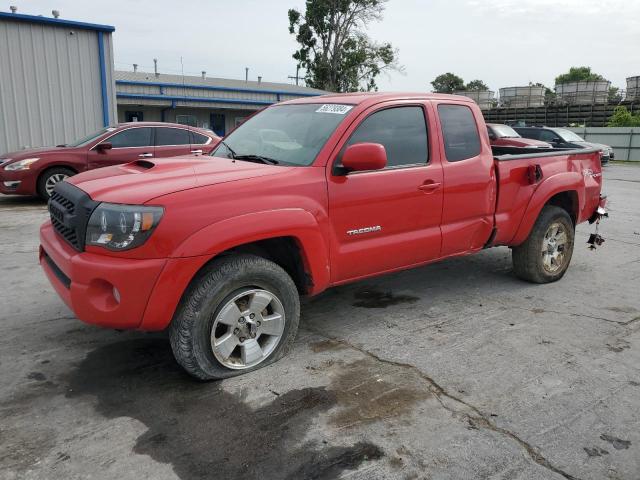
[101, 290]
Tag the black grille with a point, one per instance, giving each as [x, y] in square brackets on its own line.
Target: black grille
[70, 209]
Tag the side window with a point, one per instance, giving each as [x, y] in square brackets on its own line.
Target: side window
[172, 136]
[132, 137]
[547, 135]
[460, 133]
[402, 131]
[198, 139]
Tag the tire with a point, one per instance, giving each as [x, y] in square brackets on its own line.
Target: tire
[49, 178]
[207, 312]
[544, 257]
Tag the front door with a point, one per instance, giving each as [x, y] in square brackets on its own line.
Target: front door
[134, 143]
[387, 219]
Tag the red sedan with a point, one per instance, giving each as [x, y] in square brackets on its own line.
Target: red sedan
[36, 171]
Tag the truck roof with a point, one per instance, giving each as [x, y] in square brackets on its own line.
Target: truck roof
[357, 98]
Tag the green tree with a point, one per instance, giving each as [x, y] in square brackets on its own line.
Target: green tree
[614, 95]
[333, 48]
[476, 86]
[579, 74]
[623, 118]
[447, 83]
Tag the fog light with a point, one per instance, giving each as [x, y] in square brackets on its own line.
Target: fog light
[12, 184]
[116, 294]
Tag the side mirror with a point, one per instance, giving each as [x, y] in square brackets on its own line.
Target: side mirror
[364, 156]
[101, 147]
[492, 136]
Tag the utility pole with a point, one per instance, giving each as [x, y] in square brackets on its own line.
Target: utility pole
[297, 77]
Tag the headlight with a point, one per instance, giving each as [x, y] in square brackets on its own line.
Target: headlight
[121, 227]
[4, 160]
[21, 164]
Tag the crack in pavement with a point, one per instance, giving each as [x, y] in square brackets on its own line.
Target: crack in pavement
[477, 418]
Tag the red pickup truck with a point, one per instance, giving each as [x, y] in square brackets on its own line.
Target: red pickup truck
[305, 195]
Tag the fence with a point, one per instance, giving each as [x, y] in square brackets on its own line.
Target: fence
[624, 140]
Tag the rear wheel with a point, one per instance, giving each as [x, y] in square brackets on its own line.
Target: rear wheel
[240, 313]
[50, 178]
[545, 256]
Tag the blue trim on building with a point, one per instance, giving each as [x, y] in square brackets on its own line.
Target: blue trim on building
[103, 80]
[162, 85]
[177, 98]
[19, 17]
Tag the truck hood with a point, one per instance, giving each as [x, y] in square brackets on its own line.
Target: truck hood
[143, 180]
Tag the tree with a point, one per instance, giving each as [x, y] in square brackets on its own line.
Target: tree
[579, 74]
[336, 53]
[623, 118]
[447, 83]
[614, 95]
[476, 86]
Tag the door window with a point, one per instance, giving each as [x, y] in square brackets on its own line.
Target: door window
[402, 131]
[172, 136]
[198, 139]
[547, 136]
[460, 133]
[132, 137]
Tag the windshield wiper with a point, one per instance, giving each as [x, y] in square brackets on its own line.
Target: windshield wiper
[256, 158]
[233, 154]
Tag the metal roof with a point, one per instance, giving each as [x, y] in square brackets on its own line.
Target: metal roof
[223, 83]
[19, 17]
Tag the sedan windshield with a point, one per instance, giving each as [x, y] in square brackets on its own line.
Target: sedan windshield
[284, 134]
[504, 131]
[568, 135]
[90, 138]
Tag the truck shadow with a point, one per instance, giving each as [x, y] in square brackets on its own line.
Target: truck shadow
[203, 431]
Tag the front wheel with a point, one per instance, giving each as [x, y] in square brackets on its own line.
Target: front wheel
[239, 314]
[50, 178]
[545, 256]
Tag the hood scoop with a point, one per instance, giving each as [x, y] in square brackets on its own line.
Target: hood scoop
[143, 164]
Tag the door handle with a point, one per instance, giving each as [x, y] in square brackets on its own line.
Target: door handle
[196, 151]
[429, 186]
[145, 155]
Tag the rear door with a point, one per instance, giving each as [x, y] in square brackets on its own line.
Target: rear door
[127, 145]
[469, 178]
[201, 143]
[172, 141]
[386, 219]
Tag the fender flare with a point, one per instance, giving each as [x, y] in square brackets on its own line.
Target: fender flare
[561, 182]
[252, 227]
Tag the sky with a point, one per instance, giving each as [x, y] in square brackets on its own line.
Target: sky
[502, 42]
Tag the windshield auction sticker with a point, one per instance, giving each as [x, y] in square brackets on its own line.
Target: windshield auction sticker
[334, 108]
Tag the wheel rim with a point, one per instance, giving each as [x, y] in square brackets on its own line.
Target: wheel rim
[52, 181]
[247, 329]
[554, 247]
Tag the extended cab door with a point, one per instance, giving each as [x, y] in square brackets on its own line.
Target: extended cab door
[386, 219]
[469, 178]
[127, 145]
[172, 141]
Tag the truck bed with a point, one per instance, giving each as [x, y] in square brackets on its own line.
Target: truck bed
[525, 179]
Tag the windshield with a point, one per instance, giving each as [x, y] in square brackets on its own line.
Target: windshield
[90, 138]
[568, 135]
[288, 134]
[504, 131]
